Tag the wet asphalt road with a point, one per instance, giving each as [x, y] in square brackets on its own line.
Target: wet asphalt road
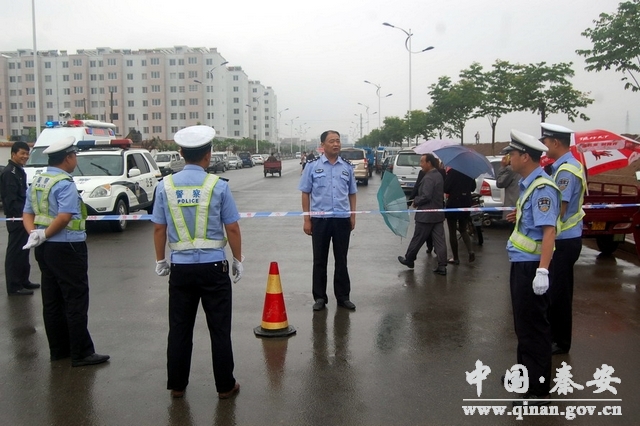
[399, 359]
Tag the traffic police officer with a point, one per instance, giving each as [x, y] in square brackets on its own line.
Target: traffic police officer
[192, 210]
[328, 187]
[568, 174]
[54, 216]
[530, 248]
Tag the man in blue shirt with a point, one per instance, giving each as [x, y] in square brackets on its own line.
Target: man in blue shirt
[328, 188]
[192, 211]
[54, 217]
[530, 248]
[568, 174]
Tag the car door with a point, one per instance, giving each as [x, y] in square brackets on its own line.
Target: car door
[141, 185]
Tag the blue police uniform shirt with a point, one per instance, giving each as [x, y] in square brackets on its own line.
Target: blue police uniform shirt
[329, 186]
[571, 189]
[222, 211]
[63, 198]
[541, 209]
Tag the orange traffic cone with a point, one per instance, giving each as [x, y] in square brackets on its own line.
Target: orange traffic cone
[274, 315]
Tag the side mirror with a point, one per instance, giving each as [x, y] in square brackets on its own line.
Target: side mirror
[134, 173]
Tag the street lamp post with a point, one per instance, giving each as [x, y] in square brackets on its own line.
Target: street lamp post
[278, 127]
[257, 109]
[366, 107]
[291, 136]
[377, 86]
[210, 101]
[407, 45]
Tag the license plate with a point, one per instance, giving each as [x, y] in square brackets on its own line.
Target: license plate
[598, 226]
[410, 184]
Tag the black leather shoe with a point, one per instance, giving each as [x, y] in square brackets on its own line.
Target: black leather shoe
[440, 270]
[405, 262]
[177, 393]
[319, 305]
[234, 390]
[348, 304]
[532, 399]
[31, 286]
[21, 292]
[472, 257]
[557, 350]
[90, 360]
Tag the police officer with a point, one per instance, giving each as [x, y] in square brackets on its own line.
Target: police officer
[569, 176]
[13, 184]
[530, 248]
[192, 210]
[328, 186]
[54, 216]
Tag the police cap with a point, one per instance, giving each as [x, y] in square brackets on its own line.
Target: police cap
[555, 131]
[62, 146]
[524, 143]
[194, 136]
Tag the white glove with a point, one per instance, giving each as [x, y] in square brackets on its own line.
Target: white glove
[541, 281]
[36, 237]
[237, 269]
[162, 267]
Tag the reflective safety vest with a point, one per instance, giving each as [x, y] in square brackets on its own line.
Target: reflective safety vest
[578, 172]
[43, 183]
[520, 240]
[204, 192]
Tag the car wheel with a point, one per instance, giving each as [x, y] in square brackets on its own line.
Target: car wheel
[606, 244]
[121, 209]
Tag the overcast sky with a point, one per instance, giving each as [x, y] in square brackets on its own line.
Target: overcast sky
[316, 56]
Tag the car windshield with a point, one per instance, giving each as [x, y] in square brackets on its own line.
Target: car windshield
[408, 159]
[231, 158]
[163, 157]
[215, 159]
[99, 165]
[352, 155]
[37, 157]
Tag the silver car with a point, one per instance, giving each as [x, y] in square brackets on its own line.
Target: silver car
[234, 162]
[492, 196]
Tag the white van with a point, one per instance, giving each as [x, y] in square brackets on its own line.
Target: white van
[407, 166]
[56, 130]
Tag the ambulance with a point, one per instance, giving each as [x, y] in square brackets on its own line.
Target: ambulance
[82, 130]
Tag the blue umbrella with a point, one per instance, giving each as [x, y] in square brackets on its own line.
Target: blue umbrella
[464, 160]
[391, 199]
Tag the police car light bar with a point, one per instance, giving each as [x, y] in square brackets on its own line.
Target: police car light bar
[116, 143]
[69, 123]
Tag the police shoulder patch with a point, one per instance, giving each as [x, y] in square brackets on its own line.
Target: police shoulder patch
[544, 204]
[346, 161]
[563, 183]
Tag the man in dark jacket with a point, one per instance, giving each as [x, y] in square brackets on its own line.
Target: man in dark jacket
[13, 185]
[430, 196]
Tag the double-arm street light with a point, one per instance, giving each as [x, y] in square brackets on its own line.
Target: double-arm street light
[258, 134]
[278, 127]
[407, 45]
[209, 90]
[377, 86]
[291, 128]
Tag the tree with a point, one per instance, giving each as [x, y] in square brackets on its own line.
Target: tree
[498, 93]
[418, 124]
[616, 44]
[545, 89]
[394, 130]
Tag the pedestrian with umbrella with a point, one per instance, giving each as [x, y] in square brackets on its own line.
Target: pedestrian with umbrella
[459, 187]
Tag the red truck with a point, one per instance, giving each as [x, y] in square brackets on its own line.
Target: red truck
[609, 226]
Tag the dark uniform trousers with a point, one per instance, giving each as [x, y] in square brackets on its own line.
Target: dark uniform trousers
[421, 233]
[531, 326]
[324, 230]
[565, 256]
[16, 262]
[65, 298]
[188, 285]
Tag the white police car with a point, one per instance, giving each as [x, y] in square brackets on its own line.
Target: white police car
[114, 179]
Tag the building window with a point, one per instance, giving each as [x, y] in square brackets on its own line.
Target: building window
[112, 75]
[193, 101]
[193, 74]
[129, 76]
[193, 115]
[65, 64]
[92, 64]
[78, 90]
[174, 116]
[181, 102]
[31, 91]
[156, 102]
[29, 77]
[180, 61]
[155, 74]
[172, 62]
[192, 60]
[129, 62]
[236, 133]
[66, 91]
[79, 104]
[77, 62]
[143, 62]
[145, 103]
[47, 79]
[180, 76]
[236, 122]
[49, 104]
[174, 102]
[155, 88]
[157, 129]
[112, 61]
[144, 89]
[156, 116]
[193, 87]
[173, 89]
[236, 100]
[174, 129]
[130, 89]
[145, 130]
[131, 104]
[113, 89]
[145, 117]
[31, 104]
[47, 65]
[65, 78]
[28, 64]
[236, 111]
[143, 76]
[235, 78]
[181, 89]
[155, 61]
[131, 117]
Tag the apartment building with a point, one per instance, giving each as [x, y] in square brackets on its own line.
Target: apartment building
[155, 91]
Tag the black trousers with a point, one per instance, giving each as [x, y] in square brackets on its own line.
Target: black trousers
[458, 221]
[565, 256]
[421, 233]
[16, 261]
[324, 231]
[188, 285]
[65, 298]
[531, 326]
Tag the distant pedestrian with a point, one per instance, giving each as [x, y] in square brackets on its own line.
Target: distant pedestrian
[430, 196]
[329, 188]
[477, 138]
[54, 216]
[192, 211]
[13, 186]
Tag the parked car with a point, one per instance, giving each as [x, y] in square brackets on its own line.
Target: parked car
[234, 162]
[298, 154]
[245, 159]
[257, 159]
[387, 164]
[216, 165]
[492, 196]
[169, 162]
[357, 158]
[406, 166]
